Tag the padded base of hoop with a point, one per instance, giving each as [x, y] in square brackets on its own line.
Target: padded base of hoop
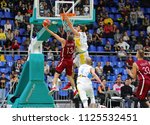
[31, 90]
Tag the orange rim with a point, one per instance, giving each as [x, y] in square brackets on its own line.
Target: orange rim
[68, 14]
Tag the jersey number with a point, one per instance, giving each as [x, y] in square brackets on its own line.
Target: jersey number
[146, 70]
[70, 50]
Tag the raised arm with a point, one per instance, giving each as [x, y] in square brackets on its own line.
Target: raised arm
[75, 32]
[133, 72]
[62, 40]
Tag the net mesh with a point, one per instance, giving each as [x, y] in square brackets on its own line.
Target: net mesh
[65, 25]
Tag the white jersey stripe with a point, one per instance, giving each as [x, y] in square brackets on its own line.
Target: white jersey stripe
[62, 53]
[61, 62]
[142, 83]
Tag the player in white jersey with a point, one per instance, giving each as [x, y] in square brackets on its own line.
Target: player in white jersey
[84, 83]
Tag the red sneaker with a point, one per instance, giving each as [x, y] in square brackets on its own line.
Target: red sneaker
[75, 94]
[53, 89]
[67, 87]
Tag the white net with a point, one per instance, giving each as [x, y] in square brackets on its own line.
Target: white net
[65, 25]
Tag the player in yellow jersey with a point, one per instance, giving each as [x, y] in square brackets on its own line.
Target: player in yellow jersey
[80, 43]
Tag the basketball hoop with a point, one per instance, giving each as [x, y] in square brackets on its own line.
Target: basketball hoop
[65, 25]
[67, 14]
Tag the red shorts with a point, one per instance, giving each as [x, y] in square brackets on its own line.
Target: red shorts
[65, 64]
[143, 88]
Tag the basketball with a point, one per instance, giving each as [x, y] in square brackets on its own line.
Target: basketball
[46, 22]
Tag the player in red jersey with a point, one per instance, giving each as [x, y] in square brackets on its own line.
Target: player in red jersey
[141, 69]
[66, 60]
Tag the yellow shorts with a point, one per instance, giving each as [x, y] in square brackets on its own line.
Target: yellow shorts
[80, 59]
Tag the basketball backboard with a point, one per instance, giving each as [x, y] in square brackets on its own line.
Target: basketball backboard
[51, 9]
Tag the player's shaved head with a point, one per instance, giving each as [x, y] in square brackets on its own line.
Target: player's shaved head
[140, 53]
[88, 61]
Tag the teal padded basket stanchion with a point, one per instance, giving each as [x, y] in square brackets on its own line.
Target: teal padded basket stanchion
[32, 90]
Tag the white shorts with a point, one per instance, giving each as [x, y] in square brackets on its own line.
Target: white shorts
[80, 59]
[85, 89]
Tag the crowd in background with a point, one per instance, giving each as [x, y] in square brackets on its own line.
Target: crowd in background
[124, 30]
[121, 26]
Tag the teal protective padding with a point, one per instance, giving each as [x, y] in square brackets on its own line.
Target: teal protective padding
[43, 35]
[35, 95]
[32, 91]
[36, 67]
[23, 80]
[36, 92]
[16, 104]
[19, 105]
